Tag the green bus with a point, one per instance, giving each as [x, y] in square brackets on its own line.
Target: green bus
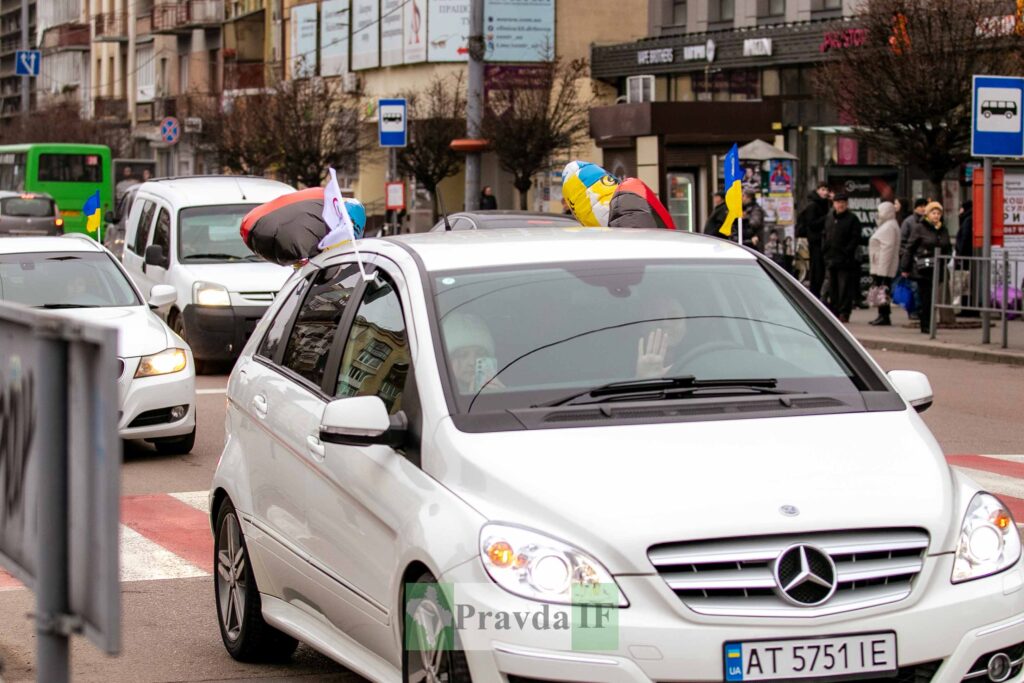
[70, 173]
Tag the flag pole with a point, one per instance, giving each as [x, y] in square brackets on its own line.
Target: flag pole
[739, 221]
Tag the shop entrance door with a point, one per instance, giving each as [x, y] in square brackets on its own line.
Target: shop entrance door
[682, 191]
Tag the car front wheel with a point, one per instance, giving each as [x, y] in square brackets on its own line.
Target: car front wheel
[247, 637]
[430, 652]
[176, 445]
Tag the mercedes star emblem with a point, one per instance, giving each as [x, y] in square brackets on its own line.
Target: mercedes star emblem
[805, 575]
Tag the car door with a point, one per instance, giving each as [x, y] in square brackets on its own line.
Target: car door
[280, 393]
[161, 237]
[140, 222]
[360, 497]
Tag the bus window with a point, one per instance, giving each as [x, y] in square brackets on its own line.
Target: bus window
[70, 168]
[12, 172]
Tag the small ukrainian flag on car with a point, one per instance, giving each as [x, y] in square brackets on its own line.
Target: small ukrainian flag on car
[92, 212]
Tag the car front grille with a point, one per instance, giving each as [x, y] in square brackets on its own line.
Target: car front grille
[257, 297]
[736, 577]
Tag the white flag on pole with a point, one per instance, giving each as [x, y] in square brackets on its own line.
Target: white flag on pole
[340, 228]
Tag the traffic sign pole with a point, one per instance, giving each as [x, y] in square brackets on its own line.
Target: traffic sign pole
[24, 46]
[986, 248]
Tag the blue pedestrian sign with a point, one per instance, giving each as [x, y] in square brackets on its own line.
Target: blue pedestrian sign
[391, 123]
[26, 62]
[996, 116]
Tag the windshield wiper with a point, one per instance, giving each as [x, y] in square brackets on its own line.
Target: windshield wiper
[67, 306]
[233, 257]
[662, 388]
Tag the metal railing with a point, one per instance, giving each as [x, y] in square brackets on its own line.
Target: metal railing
[1005, 276]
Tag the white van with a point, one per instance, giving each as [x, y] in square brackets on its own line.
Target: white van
[185, 232]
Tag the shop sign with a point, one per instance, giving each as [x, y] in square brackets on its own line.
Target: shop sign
[664, 55]
[840, 40]
[757, 47]
[692, 53]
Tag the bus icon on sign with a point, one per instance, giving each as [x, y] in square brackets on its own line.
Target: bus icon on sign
[990, 108]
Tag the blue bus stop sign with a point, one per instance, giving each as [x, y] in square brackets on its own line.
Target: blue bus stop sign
[391, 123]
[26, 62]
[996, 117]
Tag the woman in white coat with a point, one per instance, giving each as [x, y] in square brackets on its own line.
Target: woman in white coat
[884, 253]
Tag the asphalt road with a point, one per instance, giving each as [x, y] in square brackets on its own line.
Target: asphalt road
[170, 628]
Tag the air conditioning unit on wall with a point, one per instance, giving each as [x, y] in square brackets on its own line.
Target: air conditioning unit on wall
[640, 89]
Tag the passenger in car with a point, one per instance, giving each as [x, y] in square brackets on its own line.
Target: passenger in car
[658, 351]
[471, 352]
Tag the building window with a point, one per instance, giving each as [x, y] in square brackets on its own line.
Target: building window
[771, 8]
[679, 12]
[723, 10]
[826, 5]
[736, 85]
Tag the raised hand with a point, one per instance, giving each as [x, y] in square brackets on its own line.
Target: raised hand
[651, 352]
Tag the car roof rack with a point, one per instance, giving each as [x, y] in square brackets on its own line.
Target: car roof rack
[208, 175]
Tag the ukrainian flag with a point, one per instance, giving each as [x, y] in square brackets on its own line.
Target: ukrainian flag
[91, 210]
[733, 190]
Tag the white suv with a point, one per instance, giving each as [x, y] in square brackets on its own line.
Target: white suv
[184, 232]
[78, 278]
[595, 455]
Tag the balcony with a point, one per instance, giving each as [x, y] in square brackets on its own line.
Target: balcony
[66, 36]
[171, 17]
[111, 26]
[110, 108]
[143, 24]
[244, 75]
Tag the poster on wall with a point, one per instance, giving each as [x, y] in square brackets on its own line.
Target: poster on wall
[333, 37]
[448, 31]
[1013, 217]
[365, 34]
[391, 21]
[751, 176]
[519, 30]
[303, 52]
[415, 30]
[780, 179]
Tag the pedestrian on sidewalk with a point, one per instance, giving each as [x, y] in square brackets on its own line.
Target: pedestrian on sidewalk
[907, 227]
[753, 221]
[884, 255]
[918, 263]
[488, 202]
[716, 220]
[810, 224]
[842, 235]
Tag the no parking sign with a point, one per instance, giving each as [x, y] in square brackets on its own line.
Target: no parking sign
[170, 131]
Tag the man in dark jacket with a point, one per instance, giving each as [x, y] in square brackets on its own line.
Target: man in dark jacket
[810, 223]
[842, 235]
[753, 221]
[717, 217]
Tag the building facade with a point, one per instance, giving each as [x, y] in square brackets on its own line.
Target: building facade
[10, 43]
[714, 72]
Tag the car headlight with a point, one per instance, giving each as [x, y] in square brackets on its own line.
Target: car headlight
[989, 540]
[532, 565]
[163, 363]
[209, 294]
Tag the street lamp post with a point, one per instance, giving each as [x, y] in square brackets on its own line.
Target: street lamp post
[474, 101]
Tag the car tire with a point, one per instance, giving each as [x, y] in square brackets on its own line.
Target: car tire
[177, 445]
[178, 325]
[423, 663]
[246, 636]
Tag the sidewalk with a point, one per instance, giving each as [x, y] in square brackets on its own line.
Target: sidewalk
[963, 344]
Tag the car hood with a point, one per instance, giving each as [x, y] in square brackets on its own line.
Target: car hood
[261, 276]
[139, 331]
[615, 491]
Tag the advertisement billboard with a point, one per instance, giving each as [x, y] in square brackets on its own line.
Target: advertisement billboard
[365, 34]
[415, 32]
[333, 37]
[303, 49]
[391, 20]
[519, 30]
[448, 31]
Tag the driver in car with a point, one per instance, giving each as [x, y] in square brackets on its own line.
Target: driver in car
[471, 352]
[661, 348]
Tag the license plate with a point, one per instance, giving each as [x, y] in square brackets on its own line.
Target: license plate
[760, 660]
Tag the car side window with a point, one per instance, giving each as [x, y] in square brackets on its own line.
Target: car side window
[162, 232]
[142, 229]
[376, 357]
[317, 321]
[271, 343]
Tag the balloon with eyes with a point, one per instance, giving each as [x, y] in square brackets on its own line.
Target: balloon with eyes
[597, 199]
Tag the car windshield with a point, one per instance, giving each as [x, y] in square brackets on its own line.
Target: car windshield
[520, 337]
[210, 234]
[64, 280]
[553, 221]
[27, 207]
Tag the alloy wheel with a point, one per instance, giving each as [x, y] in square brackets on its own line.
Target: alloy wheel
[231, 583]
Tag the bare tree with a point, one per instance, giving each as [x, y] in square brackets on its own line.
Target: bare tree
[531, 121]
[904, 80]
[437, 115]
[62, 121]
[296, 128]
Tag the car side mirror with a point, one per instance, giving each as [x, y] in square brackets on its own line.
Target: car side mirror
[155, 256]
[913, 387]
[161, 295]
[362, 421]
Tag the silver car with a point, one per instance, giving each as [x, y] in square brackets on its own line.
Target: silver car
[29, 213]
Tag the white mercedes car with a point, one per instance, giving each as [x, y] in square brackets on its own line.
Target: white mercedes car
[595, 455]
[77, 277]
